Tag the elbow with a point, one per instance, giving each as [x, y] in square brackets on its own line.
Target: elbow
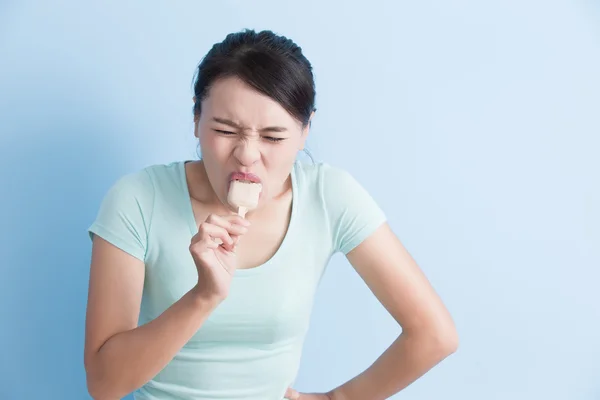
[99, 385]
[445, 336]
[438, 343]
[91, 377]
[94, 389]
[105, 382]
[446, 341]
[96, 386]
[102, 389]
[95, 393]
[449, 343]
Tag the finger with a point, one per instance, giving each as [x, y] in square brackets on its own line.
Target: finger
[238, 219]
[199, 247]
[233, 224]
[227, 221]
[209, 232]
[234, 219]
[291, 394]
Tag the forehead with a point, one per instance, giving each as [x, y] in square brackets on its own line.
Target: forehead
[233, 99]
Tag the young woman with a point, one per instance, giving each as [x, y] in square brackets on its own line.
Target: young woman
[189, 300]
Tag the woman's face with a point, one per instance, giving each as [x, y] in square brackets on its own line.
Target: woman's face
[242, 130]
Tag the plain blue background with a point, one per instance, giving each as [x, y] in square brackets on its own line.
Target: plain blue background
[475, 125]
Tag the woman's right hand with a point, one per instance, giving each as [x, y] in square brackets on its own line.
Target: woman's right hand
[213, 251]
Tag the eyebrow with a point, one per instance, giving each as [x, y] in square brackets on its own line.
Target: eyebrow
[235, 125]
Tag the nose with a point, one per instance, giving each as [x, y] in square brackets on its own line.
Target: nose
[247, 151]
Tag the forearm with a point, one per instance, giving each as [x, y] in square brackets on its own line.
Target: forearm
[407, 359]
[130, 359]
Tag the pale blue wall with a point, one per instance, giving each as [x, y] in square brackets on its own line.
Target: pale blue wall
[474, 124]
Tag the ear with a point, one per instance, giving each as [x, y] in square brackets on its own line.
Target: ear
[196, 119]
[305, 131]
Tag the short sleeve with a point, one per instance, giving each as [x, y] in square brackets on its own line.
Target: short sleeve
[125, 214]
[353, 213]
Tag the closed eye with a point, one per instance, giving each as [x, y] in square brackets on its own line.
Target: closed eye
[224, 132]
[269, 138]
[274, 139]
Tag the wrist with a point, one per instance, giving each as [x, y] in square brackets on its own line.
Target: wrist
[336, 394]
[203, 298]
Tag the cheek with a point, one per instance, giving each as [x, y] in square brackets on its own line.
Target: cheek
[213, 146]
[279, 162]
[278, 155]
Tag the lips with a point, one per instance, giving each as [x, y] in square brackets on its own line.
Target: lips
[243, 176]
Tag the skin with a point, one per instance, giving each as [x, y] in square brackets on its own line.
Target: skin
[238, 130]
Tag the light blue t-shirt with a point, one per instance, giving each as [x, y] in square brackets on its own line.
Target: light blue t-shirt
[250, 347]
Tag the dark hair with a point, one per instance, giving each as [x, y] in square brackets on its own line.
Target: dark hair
[273, 65]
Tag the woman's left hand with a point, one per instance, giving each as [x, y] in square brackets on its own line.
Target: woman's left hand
[291, 394]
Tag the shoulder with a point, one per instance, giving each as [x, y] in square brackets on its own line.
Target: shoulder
[351, 212]
[324, 174]
[138, 188]
[143, 181]
[330, 182]
[132, 184]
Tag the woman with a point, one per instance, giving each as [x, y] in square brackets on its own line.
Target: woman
[189, 300]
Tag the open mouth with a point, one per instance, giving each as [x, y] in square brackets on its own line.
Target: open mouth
[244, 177]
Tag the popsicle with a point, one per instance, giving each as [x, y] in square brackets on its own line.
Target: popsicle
[244, 195]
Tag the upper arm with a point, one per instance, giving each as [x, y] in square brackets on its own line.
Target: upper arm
[360, 231]
[352, 212]
[400, 285]
[114, 295]
[119, 244]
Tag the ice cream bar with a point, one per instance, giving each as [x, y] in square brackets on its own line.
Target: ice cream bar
[244, 195]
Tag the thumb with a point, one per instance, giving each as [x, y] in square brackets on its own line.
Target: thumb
[291, 394]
